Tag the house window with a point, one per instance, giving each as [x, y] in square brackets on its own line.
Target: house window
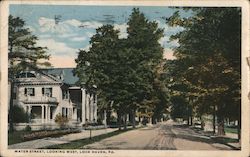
[65, 94]
[26, 75]
[64, 112]
[29, 91]
[47, 92]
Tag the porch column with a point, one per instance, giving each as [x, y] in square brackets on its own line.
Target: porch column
[83, 105]
[29, 109]
[29, 112]
[42, 113]
[87, 107]
[46, 113]
[95, 107]
[91, 108]
[49, 113]
[74, 113]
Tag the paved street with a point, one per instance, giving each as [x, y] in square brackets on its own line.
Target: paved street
[163, 136]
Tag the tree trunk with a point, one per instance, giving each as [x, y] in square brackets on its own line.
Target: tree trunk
[239, 129]
[133, 118]
[125, 121]
[153, 120]
[11, 114]
[221, 130]
[191, 120]
[108, 115]
[239, 124]
[214, 119]
[119, 119]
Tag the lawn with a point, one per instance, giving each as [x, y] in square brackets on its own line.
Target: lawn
[16, 137]
[22, 136]
[80, 143]
[231, 130]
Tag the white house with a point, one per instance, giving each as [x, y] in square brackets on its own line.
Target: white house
[48, 92]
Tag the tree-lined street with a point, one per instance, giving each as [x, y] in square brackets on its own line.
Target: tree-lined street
[163, 136]
[136, 86]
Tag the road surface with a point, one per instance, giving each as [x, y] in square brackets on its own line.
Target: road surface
[162, 136]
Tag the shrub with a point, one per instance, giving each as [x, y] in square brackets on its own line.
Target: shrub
[19, 115]
[61, 121]
[27, 128]
[47, 133]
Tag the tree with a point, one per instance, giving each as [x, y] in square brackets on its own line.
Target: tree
[101, 65]
[143, 37]
[19, 115]
[61, 121]
[123, 69]
[23, 53]
[208, 59]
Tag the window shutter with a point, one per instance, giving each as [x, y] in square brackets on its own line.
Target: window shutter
[25, 91]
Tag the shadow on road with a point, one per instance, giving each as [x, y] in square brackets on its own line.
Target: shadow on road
[196, 134]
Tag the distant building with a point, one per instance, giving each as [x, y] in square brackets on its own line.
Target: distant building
[49, 92]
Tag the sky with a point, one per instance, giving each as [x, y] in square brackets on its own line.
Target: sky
[77, 23]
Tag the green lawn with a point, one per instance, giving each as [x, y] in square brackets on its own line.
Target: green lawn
[231, 130]
[80, 143]
[16, 137]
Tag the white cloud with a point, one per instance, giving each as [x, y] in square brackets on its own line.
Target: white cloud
[73, 22]
[32, 29]
[57, 48]
[49, 25]
[86, 48]
[44, 36]
[91, 24]
[123, 30]
[89, 34]
[163, 41]
[78, 39]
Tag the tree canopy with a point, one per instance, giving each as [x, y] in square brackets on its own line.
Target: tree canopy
[208, 60]
[124, 70]
[23, 53]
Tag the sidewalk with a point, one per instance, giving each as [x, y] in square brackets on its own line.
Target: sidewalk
[45, 142]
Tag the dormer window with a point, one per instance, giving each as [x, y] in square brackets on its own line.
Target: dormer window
[26, 75]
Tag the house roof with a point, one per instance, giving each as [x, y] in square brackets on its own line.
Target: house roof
[67, 74]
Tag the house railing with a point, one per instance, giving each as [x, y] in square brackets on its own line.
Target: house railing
[38, 99]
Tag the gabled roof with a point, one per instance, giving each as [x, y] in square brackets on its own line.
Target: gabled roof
[67, 74]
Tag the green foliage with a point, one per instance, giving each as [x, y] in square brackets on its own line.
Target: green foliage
[125, 70]
[19, 115]
[22, 47]
[61, 121]
[179, 108]
[23, 54]
[208, 65]
[27, 128]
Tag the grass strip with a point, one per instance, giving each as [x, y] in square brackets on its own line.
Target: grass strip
[231, 130]
[82, 142]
